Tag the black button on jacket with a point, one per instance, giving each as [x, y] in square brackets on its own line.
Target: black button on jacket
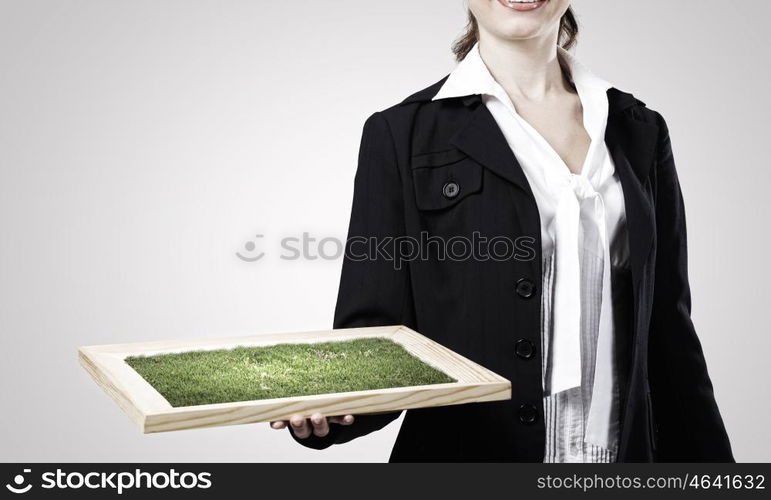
[443, 168]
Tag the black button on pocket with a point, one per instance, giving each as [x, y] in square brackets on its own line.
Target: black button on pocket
[528, 413]
[450, 189]
[444, 179]
[525, 288]
[524, 349]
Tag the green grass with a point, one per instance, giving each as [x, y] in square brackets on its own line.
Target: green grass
[283, 370]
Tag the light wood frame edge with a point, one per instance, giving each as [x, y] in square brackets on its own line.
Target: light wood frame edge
[152, 413]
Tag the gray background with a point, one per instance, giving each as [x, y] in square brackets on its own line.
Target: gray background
[143, 142]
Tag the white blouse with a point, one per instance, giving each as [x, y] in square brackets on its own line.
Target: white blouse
[583, 235]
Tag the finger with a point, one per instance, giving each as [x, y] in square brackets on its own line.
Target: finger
[280, 424]
[341, 420]
[300, 427]
[320, 425]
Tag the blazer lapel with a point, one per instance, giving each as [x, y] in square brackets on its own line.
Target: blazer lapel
[482, 139]
[632, 145]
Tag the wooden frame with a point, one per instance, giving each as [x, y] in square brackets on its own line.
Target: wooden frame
[148, 409]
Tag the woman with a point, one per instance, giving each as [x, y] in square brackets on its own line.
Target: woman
[593, 325]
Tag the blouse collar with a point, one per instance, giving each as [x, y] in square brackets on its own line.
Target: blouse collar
[471, 76]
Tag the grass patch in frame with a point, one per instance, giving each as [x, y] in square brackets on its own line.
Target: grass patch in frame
[152, 412]
[247, 373]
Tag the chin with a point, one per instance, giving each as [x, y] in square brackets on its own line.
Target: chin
[511, 23]
[519, 32]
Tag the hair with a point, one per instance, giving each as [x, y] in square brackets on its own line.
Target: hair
[568, 34]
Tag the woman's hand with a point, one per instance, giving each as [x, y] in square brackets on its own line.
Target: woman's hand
[317, 424]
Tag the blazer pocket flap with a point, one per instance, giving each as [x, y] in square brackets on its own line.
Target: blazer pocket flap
[442, 187]
[437, 159]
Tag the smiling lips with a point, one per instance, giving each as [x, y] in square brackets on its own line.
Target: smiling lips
[522, 5]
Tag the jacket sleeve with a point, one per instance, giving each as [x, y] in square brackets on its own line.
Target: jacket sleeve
[686, 416]
[374, 291]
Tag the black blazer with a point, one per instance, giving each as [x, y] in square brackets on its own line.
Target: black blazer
[409, 153]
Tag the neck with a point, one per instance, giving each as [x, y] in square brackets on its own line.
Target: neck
[528, 69]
